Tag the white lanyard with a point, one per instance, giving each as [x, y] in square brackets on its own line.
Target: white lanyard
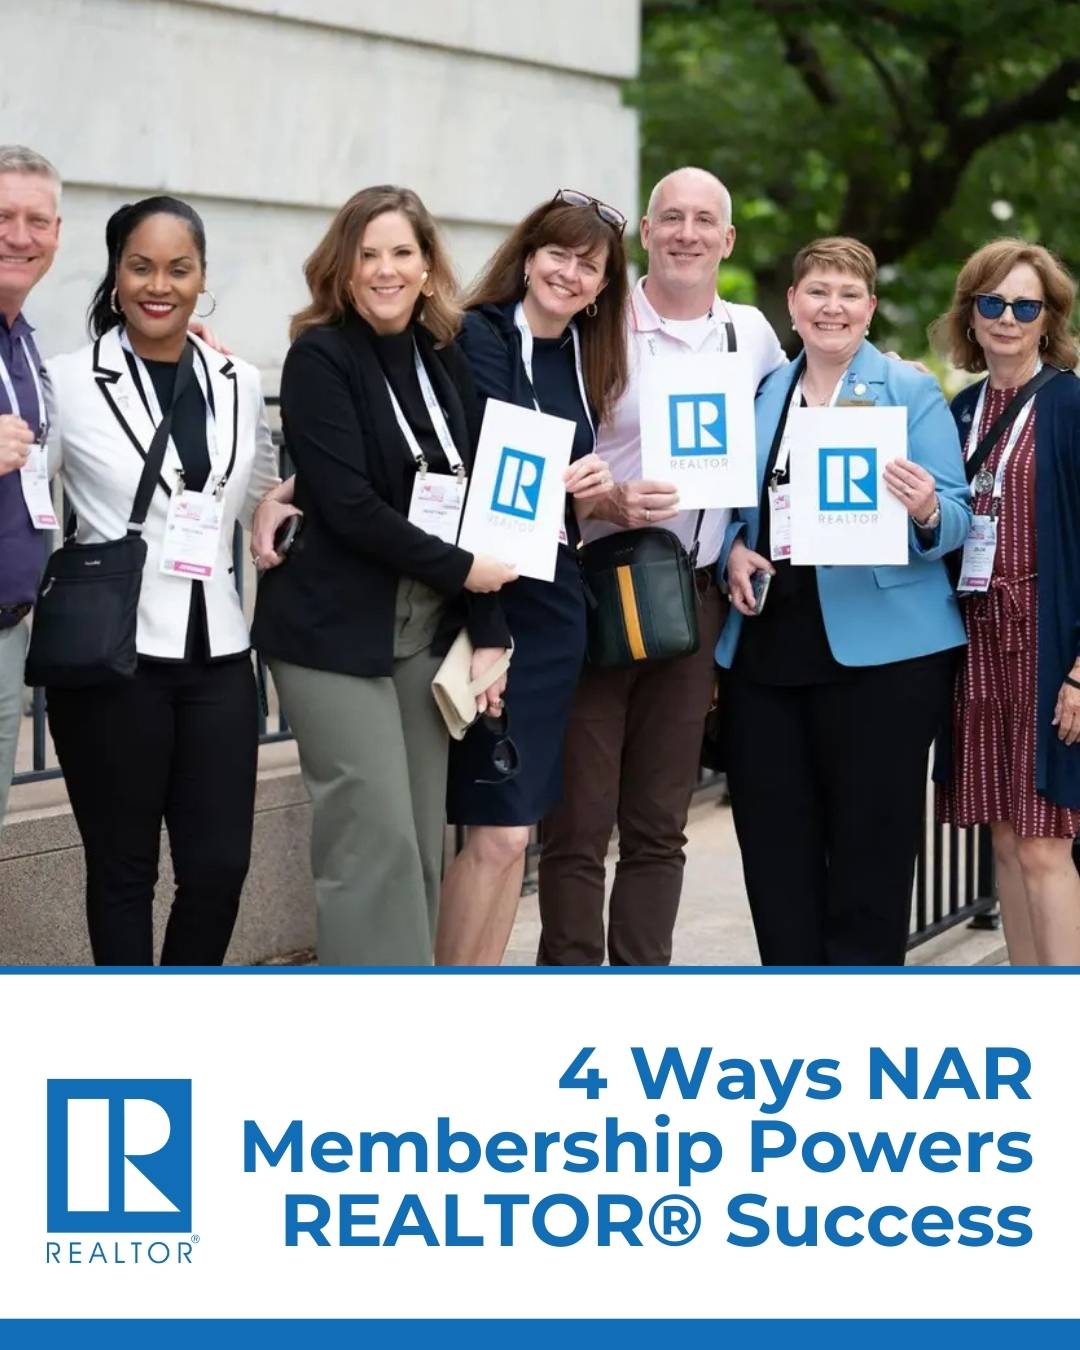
[784, 453]
[150, 394]
[522, 325]
[438, 422]
[719, 331]
[41, 431]
[979, 483]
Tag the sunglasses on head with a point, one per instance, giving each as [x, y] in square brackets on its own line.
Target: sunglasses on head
[994, 306]
[608, 214]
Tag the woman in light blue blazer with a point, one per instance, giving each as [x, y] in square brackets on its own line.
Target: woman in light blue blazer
[840, 677]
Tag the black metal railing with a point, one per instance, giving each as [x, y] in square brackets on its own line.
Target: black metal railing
[954, 878]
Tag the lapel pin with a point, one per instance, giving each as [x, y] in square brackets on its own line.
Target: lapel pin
[860, 389]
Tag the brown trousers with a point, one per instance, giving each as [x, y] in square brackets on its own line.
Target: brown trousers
[630, 758]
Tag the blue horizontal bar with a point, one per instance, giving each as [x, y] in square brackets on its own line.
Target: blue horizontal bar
[476, 1334]
[616, 972]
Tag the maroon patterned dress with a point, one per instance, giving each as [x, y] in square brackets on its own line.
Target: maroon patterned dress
[993, 776]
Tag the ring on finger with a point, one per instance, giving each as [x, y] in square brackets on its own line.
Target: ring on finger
[648, 515]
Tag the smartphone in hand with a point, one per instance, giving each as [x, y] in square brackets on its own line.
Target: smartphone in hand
[759, 583]
[286, 533]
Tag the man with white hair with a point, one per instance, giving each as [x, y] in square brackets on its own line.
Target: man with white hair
[29, 235]
[634, 740]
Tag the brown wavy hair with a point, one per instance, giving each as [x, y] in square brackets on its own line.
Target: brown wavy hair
[328, 269]
[987, 267]
[603, 336]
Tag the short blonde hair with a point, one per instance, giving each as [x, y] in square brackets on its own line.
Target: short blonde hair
[837, 253]
[21, 159]
[987, 267]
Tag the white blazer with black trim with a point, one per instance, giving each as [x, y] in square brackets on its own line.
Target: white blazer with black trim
[98, 443]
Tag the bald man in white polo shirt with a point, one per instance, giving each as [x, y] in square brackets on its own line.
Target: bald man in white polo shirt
[634, 739]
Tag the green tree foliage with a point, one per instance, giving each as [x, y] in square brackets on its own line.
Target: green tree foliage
[923, 128]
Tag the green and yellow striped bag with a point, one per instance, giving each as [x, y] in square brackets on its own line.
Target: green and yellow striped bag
[642, 598]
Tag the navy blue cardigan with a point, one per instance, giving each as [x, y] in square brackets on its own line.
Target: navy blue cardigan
[1057, 544]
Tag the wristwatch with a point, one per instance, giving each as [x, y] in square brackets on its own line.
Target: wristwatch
[933, 520]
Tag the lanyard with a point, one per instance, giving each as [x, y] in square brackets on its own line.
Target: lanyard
[9, 389]
[784, 452]
[438, 421]
[726, 336]
[525, 332]
[979, 483]
[154, 408]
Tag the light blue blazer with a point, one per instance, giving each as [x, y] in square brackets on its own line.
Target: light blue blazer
[874, 615]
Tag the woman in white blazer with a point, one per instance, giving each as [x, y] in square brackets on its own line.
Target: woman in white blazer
[178, 742]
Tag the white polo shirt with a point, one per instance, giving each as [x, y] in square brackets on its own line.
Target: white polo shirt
[619, 439]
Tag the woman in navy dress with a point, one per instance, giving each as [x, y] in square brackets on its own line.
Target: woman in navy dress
[544, 328]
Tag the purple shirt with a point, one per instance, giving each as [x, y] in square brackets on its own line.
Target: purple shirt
[22, 548]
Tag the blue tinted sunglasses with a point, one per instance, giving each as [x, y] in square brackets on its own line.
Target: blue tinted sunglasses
[994, 306]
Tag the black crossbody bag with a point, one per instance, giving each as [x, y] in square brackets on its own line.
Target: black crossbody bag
[641, 592]
[1000, 425]
[87, 606]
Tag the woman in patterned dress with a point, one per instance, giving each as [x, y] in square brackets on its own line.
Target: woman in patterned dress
[1016, 711]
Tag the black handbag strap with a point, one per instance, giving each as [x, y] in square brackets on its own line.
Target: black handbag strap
[732, 345]
[155, 456]
[1007, 418]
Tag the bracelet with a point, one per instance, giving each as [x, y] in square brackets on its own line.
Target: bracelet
[1075, 683]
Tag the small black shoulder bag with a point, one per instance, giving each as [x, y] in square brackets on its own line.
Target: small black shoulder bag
[86, 612]
[642, 594]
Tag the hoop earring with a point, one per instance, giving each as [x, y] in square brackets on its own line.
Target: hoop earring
[591, 310]
[969, 333]
[213, 304]
[526, 278]
[112, 302]
[1044, 342]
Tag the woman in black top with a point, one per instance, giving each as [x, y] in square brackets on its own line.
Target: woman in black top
[177, 743]
[376, 402]
[545, 327]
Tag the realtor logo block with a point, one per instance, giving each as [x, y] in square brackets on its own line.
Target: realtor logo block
[698, 424]
[119, 1155]
[517, 484]
[847, 478]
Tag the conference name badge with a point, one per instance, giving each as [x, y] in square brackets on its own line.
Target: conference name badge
[34, 479]
[192, 532]
[977, 563]
[697, 427]
[779, 522]
[436, 504]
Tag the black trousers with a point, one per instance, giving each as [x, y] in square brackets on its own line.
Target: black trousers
[827, 785]
[177, 743]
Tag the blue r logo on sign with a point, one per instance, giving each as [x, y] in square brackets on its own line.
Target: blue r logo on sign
[698, 424]
[847, 478]
[517, 484]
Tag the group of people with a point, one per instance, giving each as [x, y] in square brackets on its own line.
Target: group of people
[830, 694]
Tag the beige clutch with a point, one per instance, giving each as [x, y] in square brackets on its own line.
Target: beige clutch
[455, 694]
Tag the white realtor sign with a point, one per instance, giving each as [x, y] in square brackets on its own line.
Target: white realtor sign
[516, 500]
[697, 427]
[841, 510]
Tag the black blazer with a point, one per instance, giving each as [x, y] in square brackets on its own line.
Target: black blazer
[331, 605]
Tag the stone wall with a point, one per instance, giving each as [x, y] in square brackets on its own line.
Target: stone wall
[266, 115]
